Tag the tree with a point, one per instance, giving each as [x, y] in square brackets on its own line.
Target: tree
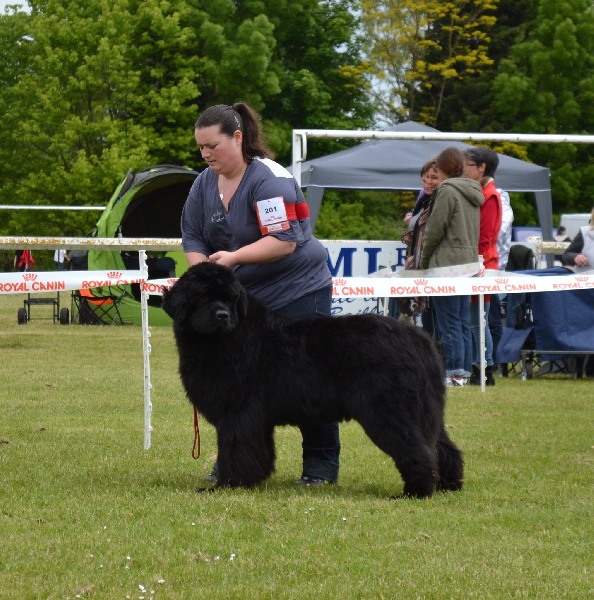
[315, 65]
[468, 103]
[75, 103]
[547, 86]
[417, 47]
[90, 90]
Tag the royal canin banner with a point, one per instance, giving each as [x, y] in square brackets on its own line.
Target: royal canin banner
[404, 284]
[503, 283]
[31, 282]
[154, 287]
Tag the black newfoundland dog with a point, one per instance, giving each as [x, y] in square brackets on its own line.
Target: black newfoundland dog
[247, 370]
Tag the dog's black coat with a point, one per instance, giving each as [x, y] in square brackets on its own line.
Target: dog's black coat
[246, 369]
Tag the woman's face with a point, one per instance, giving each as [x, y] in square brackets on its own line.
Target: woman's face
[430, 180]
[221, 152]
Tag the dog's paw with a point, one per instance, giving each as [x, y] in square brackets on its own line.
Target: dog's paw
[204, 490]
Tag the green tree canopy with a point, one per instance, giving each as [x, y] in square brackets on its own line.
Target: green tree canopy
[91, 89]
[417, 47]
[541, 81]
[546, 85]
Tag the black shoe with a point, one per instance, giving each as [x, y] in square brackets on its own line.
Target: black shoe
[214, 474]
[310, 481]
[475, 376]
[490, 376]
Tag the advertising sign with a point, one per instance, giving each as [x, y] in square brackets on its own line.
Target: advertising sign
[360, 258]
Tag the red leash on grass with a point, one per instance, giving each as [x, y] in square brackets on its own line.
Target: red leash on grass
[195, 455]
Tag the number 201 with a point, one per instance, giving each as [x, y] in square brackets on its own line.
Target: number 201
[270, 209]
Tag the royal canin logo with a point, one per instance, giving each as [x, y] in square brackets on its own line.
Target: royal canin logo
[114, 274]
[29, 276]
[501, 280]
[581, 278]
[421, 281]
[340, 282]
[171, 280]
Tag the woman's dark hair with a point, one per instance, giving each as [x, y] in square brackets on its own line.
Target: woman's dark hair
[482, 155]
[239, 116]
[450, 162]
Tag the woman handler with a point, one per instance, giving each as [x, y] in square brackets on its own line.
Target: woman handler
[247, 212]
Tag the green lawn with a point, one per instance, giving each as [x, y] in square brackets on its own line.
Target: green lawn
[86, 512]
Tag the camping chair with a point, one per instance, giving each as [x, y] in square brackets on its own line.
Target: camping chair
[518, 318]
[93, 309]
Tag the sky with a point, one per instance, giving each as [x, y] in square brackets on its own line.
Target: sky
[3, 3]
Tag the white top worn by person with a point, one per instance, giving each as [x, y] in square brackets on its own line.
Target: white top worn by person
[505, 233]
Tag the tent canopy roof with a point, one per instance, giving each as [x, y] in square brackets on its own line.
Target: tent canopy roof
[148, 203]
[396, 165]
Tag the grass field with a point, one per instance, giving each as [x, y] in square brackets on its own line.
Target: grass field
[86, 512]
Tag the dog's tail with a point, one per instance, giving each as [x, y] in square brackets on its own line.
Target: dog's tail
[450, 464]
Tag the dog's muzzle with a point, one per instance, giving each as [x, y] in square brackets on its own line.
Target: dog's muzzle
[222, 316]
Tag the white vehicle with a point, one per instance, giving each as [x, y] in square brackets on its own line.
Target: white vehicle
[572, 223]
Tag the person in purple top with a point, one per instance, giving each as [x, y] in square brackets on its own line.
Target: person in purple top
[247, 212]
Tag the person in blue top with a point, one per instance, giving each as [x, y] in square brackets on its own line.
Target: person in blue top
[247, 212]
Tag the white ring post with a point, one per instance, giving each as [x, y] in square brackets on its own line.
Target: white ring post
[146, 352]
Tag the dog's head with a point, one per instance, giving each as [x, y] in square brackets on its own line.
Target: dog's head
[207, 299]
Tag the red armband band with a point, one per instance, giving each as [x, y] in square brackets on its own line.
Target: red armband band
[297, 211]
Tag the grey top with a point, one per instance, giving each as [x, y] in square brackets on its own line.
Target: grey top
[208, 228]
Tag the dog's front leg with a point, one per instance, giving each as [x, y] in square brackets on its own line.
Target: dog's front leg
[246, 453]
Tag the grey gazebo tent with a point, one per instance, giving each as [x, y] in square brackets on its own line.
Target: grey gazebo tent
[395, 165]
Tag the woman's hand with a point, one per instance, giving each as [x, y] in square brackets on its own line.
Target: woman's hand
[223, 258]
[268, 249]
[581, 260]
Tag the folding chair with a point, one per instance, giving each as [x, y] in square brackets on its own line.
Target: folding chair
[93, 309]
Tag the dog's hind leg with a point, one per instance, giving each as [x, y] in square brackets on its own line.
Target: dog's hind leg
[414, 459]
[246, 455]
[451, 464]
[417, 464]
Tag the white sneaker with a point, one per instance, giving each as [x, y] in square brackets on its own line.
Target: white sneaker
[454, 382]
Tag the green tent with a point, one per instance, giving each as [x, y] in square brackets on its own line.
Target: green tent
[145, 204]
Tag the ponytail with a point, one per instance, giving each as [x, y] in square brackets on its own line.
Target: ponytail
[240, 117]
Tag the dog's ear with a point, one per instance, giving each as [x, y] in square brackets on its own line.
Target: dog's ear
[175, 303]
[242, 303]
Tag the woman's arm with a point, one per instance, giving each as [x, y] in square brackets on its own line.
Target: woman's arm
[267, 249]
[194, 258]
[574, 250]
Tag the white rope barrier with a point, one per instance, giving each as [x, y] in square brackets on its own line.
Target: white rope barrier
[32, 282]
[401, 285]
[493, 282]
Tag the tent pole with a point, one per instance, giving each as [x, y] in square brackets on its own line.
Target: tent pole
[146, 351]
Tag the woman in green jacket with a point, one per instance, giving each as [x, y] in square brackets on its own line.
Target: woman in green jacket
[451, 238]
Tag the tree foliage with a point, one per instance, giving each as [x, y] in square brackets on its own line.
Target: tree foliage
[417, 47]
[363, 215]
[468, 105]
[546, 85]
[91, 89]
[541, 81]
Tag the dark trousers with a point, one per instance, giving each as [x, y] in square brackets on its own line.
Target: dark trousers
[495, 324]
[321, 443]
